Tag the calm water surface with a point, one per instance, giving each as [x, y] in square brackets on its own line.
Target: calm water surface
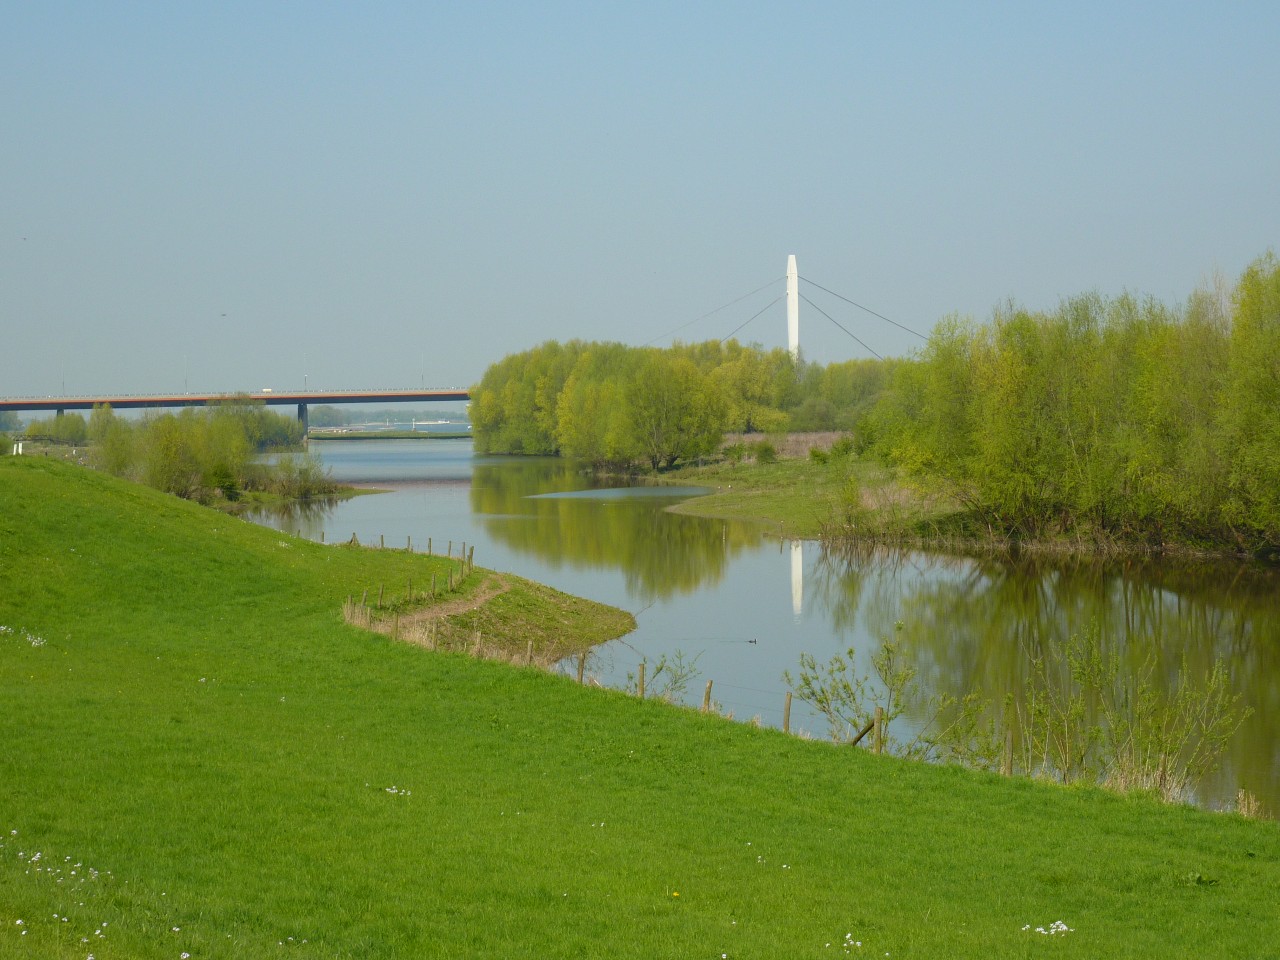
[742, 606]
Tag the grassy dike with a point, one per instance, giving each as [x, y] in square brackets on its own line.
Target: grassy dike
[199, 756]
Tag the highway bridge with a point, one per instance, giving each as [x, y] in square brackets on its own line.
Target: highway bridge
[302, 398]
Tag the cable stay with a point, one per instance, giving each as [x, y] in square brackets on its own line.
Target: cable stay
[717, 310]
[752, 317]
[813, 283]
[840, 325]
[860, 307]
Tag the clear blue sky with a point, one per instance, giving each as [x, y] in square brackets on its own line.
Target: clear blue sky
[232, 195]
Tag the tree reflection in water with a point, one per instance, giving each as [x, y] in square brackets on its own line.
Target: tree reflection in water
[306, 518]
[975, 623]
[678, 555]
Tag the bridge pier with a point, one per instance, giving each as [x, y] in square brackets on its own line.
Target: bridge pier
[302, 417]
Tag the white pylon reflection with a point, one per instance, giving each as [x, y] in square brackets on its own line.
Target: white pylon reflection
[797, 577]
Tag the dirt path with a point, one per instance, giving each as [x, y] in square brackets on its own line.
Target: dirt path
[493, 587]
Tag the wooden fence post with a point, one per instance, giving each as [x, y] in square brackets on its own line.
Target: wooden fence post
[786, 714]
[380, 586]
[382, 541]
[322, 536]
[706, 698]
[879, 740]
[528, 654]
[408, 543]
[640, 685]
[1006, 762]
[428, 546]
[582, 666]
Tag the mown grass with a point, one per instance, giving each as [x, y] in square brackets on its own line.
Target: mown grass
[199, 728]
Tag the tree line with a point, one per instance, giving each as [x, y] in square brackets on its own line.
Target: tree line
[609, 403]
[1114, 418]
[207, 454]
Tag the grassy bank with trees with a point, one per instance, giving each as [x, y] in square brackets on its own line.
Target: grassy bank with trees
[200, 755]
[214, 455]
[1118, 421]
[1106, 424]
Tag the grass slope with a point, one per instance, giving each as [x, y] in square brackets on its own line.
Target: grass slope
[208, 761]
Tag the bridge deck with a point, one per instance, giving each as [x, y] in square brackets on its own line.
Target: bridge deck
[272, 397]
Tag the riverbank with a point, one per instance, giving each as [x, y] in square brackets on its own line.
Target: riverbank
[797, 496]
[853, 502]
[239, 771]
[336, 436]
[252, 500]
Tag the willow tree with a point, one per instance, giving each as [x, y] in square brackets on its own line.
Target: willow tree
[756, 386]
[675, 412]
[591, 416]
[1251, 402]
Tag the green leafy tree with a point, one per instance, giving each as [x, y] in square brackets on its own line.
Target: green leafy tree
[674, 411]
[168, 455]
[755, 386]
[115, 449]
[64, 428]
[514, 407]
[1250, 404]
[100, 421]
[592, 419]
[327, 416]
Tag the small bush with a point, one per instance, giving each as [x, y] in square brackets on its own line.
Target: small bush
[764, 452]
[818, 455]
[842, 448]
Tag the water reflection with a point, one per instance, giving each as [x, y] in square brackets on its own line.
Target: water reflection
[974, 624]
[306, 518]
[658, 557]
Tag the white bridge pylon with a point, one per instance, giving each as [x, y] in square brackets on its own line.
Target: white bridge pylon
[793, 308]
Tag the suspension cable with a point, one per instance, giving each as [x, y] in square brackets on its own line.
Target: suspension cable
[717, 310]
[752, 317]
[861, 307]
[841, 326]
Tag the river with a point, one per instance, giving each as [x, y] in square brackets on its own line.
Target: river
[733, 603]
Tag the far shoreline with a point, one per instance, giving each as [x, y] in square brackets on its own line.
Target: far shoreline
[389, 435]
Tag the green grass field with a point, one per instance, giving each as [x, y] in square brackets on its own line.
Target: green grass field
[199, 757]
